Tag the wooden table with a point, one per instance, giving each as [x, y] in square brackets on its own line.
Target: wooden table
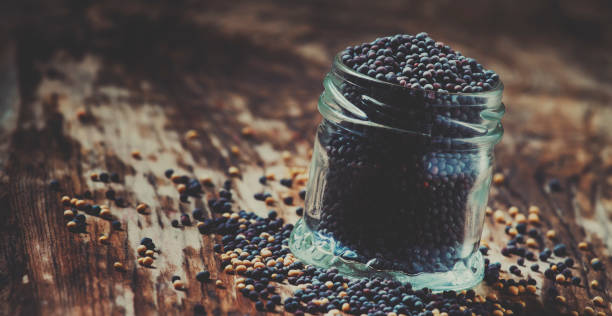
[146, 73]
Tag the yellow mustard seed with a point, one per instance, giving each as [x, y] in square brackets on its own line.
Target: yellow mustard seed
[118, 266]
[150, 253]
[531, 289]
[513, 210]
[206, 181]
[241, 269]
[141, 208]
[250, 287]
[65, 199]
[259, 265]
[219, 283]
[71, 224]
[147, 261]
[103, 239]
[598, 300]
[247, 131]
[492, 297]
[520, 218]
[551, 234]
[240, 286]
[489, 211]
[346, 307]
[560, 299]
[178, 285]
[498, 178]
[560, 278]
[181, 188]
[512, 232]
[584, 246]
[269, 200]
[93, 176]
[68, 214]
[498, 312]
[136, 154]
[141, 250]
[531, 243]
[191, 134]
[499, 217]
[594, 284]
[265, 252]
[513, 290]
[74, 201]
[233, 171]
[534, 210]
[105, 213]
[533, 219]
[589, 310]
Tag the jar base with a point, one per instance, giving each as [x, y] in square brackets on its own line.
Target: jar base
[317, 250]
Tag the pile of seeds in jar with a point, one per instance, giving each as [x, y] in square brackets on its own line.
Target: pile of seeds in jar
[419, 184]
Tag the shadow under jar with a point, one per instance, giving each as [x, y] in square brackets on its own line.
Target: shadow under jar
[399, 181]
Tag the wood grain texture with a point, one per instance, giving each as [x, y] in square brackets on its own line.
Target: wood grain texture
[148, 72]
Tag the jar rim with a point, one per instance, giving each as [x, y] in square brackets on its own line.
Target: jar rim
[331, 99]
[338, 64]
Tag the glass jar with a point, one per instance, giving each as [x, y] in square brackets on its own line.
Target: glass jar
[399, 181]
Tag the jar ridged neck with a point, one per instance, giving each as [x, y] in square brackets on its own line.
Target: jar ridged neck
[354, 98]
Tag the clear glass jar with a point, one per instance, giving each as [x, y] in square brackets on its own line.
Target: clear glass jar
[399, 181]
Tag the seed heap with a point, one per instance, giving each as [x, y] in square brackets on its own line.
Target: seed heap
[255, 249]
[418, 185]
[419, 62]
[146, 252]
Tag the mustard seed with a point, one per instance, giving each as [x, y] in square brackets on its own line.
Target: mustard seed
[584, 246]
[498, 178]
[178, 285]
[103, 239]
[219, 283]
[596, 264]
[136, 154]
[147, 261]
[141, 250]
[513, 210]
[203, 276]
[598, 300]
[118, 266]
[233, 171]
[68, 214]
[191, 134]
[499, 217]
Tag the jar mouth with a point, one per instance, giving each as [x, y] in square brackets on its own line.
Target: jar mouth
[336, 107]
[341, 69]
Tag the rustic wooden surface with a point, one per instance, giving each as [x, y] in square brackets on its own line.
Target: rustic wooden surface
[148, 72]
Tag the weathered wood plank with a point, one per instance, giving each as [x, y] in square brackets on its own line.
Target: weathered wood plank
[147, 76]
